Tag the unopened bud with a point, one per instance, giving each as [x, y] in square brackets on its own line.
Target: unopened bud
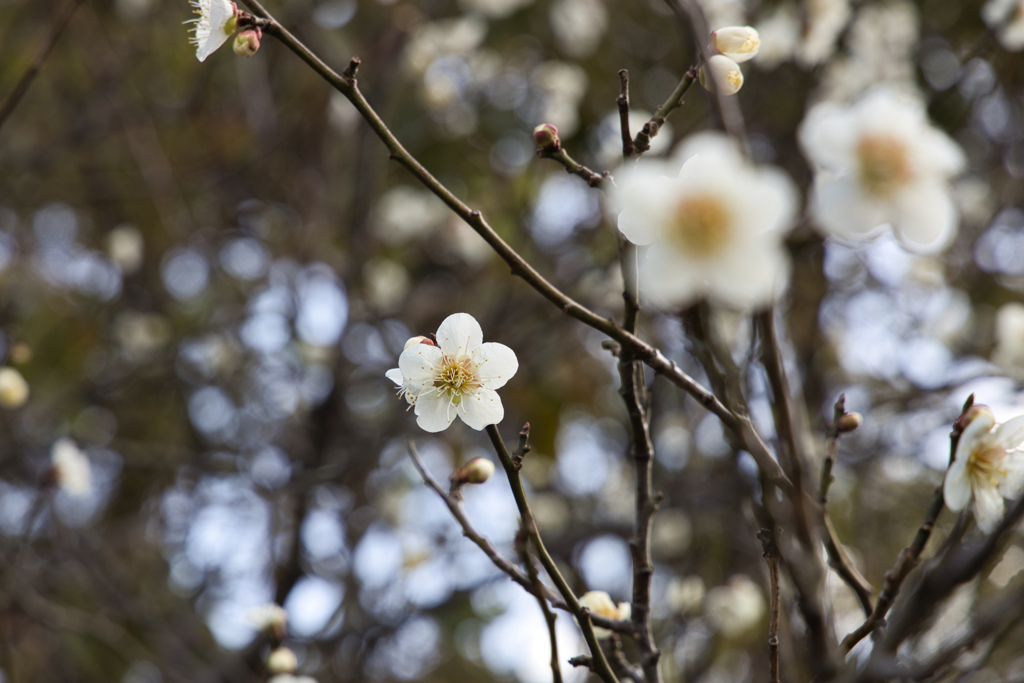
[419, 340]
[721, 75]
[248, 41]
[476, 471]
[13, 388]
[282, 661]
[546, 137]
[738, 43]
[971, 414]
[849, 422]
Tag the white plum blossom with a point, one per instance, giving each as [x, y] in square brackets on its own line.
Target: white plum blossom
[457, 376]
[988, 465]
[216, 23]
[1006, 18]
[880, 162]
[716, 230]
[600, 603]
[735, 607]
[721, 75]
[71, 467]
[738, 43]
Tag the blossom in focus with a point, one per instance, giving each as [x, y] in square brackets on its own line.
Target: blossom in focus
[988, 465]
[716, 230]
[216, 23]
[738, 43]
[13, 388]
[457, 376]
[1006, 18]
[599, 602]
[721, 75]
[880, 162]
[71, 467]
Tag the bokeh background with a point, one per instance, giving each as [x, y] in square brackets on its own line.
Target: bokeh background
[206, 269]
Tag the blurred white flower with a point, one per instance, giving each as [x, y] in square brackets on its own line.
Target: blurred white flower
[282, 661]
[599, 602]
[458, 376]
[1006, 18]
[493, 9]
[1009, 349]
[216, 23]
[879, 161]
[270, 618]
[717, 228]
[721, 75]
[988, 465]
[13, 388]
[124, 247]
[685, 595]
[826, 19]
[71, 467]
[780, 32]
[738, 43]
[736, 607]
[578, 25]
[291, 678]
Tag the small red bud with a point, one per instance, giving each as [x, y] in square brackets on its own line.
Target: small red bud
[546, 137]
[849, 422]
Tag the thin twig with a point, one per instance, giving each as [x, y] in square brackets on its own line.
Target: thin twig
[600, 662]
[549, 616]
[22, 86]
[622, 101]
[771, 557]
[642, 142]
[837, 558]
[499, 560]
[593, 178]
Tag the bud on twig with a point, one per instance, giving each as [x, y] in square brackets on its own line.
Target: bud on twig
[546, 137]
[282, 661]
[476, 471]
[247, 42]
[849, 422]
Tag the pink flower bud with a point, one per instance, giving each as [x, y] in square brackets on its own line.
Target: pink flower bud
[546, 137]
[248, 41]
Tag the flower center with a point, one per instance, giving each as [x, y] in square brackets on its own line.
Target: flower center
[456, 378]
[985, 463]
[884, 166]
[701, 225]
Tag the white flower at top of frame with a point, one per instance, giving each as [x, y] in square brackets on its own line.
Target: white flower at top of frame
[717, 228]
[600, 603]
[988, 465]
[1006, 17]
[880, 162]
[458, 376]
[71, 467]
[214, 25]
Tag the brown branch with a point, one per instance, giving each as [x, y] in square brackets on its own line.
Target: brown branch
[622, 101]
[22, 86]
[593, 178]
[771, 557]
[642, 142]
[600, 663]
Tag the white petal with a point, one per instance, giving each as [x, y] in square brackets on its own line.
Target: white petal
[498, 363]
[644, 199]
[827, 136]
[434, 413]
[748, 278]
[459, 334]
[395, 375]
[1010, 434]
[957, 487]
[418, 365]
[481, 408]
[927, 220]
[843, 210]
[988, 507]
[669, 278]
[1012, 484]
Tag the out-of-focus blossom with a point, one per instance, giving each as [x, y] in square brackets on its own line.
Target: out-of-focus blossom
[14, 389]
[599, 602]
[387, 283]
[216, 22]
[717, 228]
[721, 75]
[685, 595]
[1009, 336]
[282, 661]
[142, 334]
[826, 19]
[880, 162]
[124, 247]
[457, 376]
[563, 85]
[271, 619]
[579, 25]
[738, 43]
[494, 9]
[736, 607]
[71, 467]
[988, 465]
[1006, 18]
[291, 678]
[780, 32]
[456, 36]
